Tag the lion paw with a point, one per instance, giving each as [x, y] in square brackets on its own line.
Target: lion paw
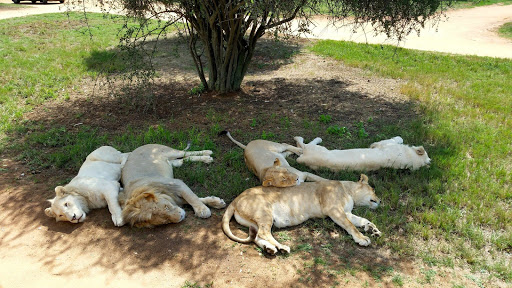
[208, 160]
[364, 241]
[118, 220]
[214, 202]
[203, 212]
[284, 249]
[218, 203]
[271, 250]
[370, 227]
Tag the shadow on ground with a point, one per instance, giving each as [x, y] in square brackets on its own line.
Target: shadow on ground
[197, 249]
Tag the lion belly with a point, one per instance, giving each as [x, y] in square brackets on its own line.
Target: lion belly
[290, 214]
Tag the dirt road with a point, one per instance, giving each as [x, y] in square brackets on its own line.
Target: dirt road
[466, 31]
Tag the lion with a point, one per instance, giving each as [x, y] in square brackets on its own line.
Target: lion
[267, 161]
[389, 153]
[152, 196]
[261, 207]
[95, 186]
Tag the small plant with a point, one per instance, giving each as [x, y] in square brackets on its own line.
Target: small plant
[326, 119]
[320, 261]
[361, 133]
[398, 280]
[285, 122]
[339, 131]
[197, 90]
[305, 247]
[267, 135]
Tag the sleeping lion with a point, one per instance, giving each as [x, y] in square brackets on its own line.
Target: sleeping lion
[389, 153]
[95, 186]
[261, 207]
[266, 159]
[152, 196]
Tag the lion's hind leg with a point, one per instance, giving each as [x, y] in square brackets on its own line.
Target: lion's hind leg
[267, 242]
[214, 202]
[204, 159]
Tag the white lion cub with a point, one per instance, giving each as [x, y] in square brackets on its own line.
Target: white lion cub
[95, 186]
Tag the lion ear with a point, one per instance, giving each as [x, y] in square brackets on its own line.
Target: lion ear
[277, 163]
[267, 183]
[363, 179]
[420, 151]
[49, 212]
[60, 191]
[149, 196]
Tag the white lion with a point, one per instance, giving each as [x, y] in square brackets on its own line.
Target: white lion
[95, 186]
[152, 196]
[390, 153]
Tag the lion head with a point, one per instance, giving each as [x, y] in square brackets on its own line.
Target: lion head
[67, 206]
[364, 195]
[278, 176]
[151, 206]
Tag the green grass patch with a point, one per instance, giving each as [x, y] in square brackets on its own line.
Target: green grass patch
[47, 54]
[505, 30]
[466, 103]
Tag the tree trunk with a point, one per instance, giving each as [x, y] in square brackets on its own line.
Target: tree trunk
[227, 48]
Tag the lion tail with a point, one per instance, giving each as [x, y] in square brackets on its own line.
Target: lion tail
[232, 139]
[225, 226]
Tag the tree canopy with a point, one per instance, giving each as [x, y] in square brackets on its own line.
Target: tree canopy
[223, 33]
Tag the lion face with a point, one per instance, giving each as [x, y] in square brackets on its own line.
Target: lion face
[278, 176]
[365, 194]
[152, 208]
[66, 207]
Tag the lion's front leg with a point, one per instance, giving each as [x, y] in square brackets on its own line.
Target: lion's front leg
[340, 218]
[200, 209]
[363, 222]
[312, 177]
[111, 194]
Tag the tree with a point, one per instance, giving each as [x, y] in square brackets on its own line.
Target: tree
[228, 30]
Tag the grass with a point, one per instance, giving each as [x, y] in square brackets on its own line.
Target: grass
[465, 197]
[505, 30]
[458, 207]
[51, 63]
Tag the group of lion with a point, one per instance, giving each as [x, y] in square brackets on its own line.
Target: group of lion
[150, 195]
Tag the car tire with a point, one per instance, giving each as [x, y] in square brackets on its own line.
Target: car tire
[61, 1]
[34, 1]
[45, 1]
[16, 1]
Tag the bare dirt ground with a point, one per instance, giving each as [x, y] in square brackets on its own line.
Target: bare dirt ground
[35, 251]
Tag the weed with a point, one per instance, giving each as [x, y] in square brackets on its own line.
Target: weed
[197, 90]
[267, 135]
[361, 133]
[306, 247]
[398, 280]
[338, 131]
[326, 119]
